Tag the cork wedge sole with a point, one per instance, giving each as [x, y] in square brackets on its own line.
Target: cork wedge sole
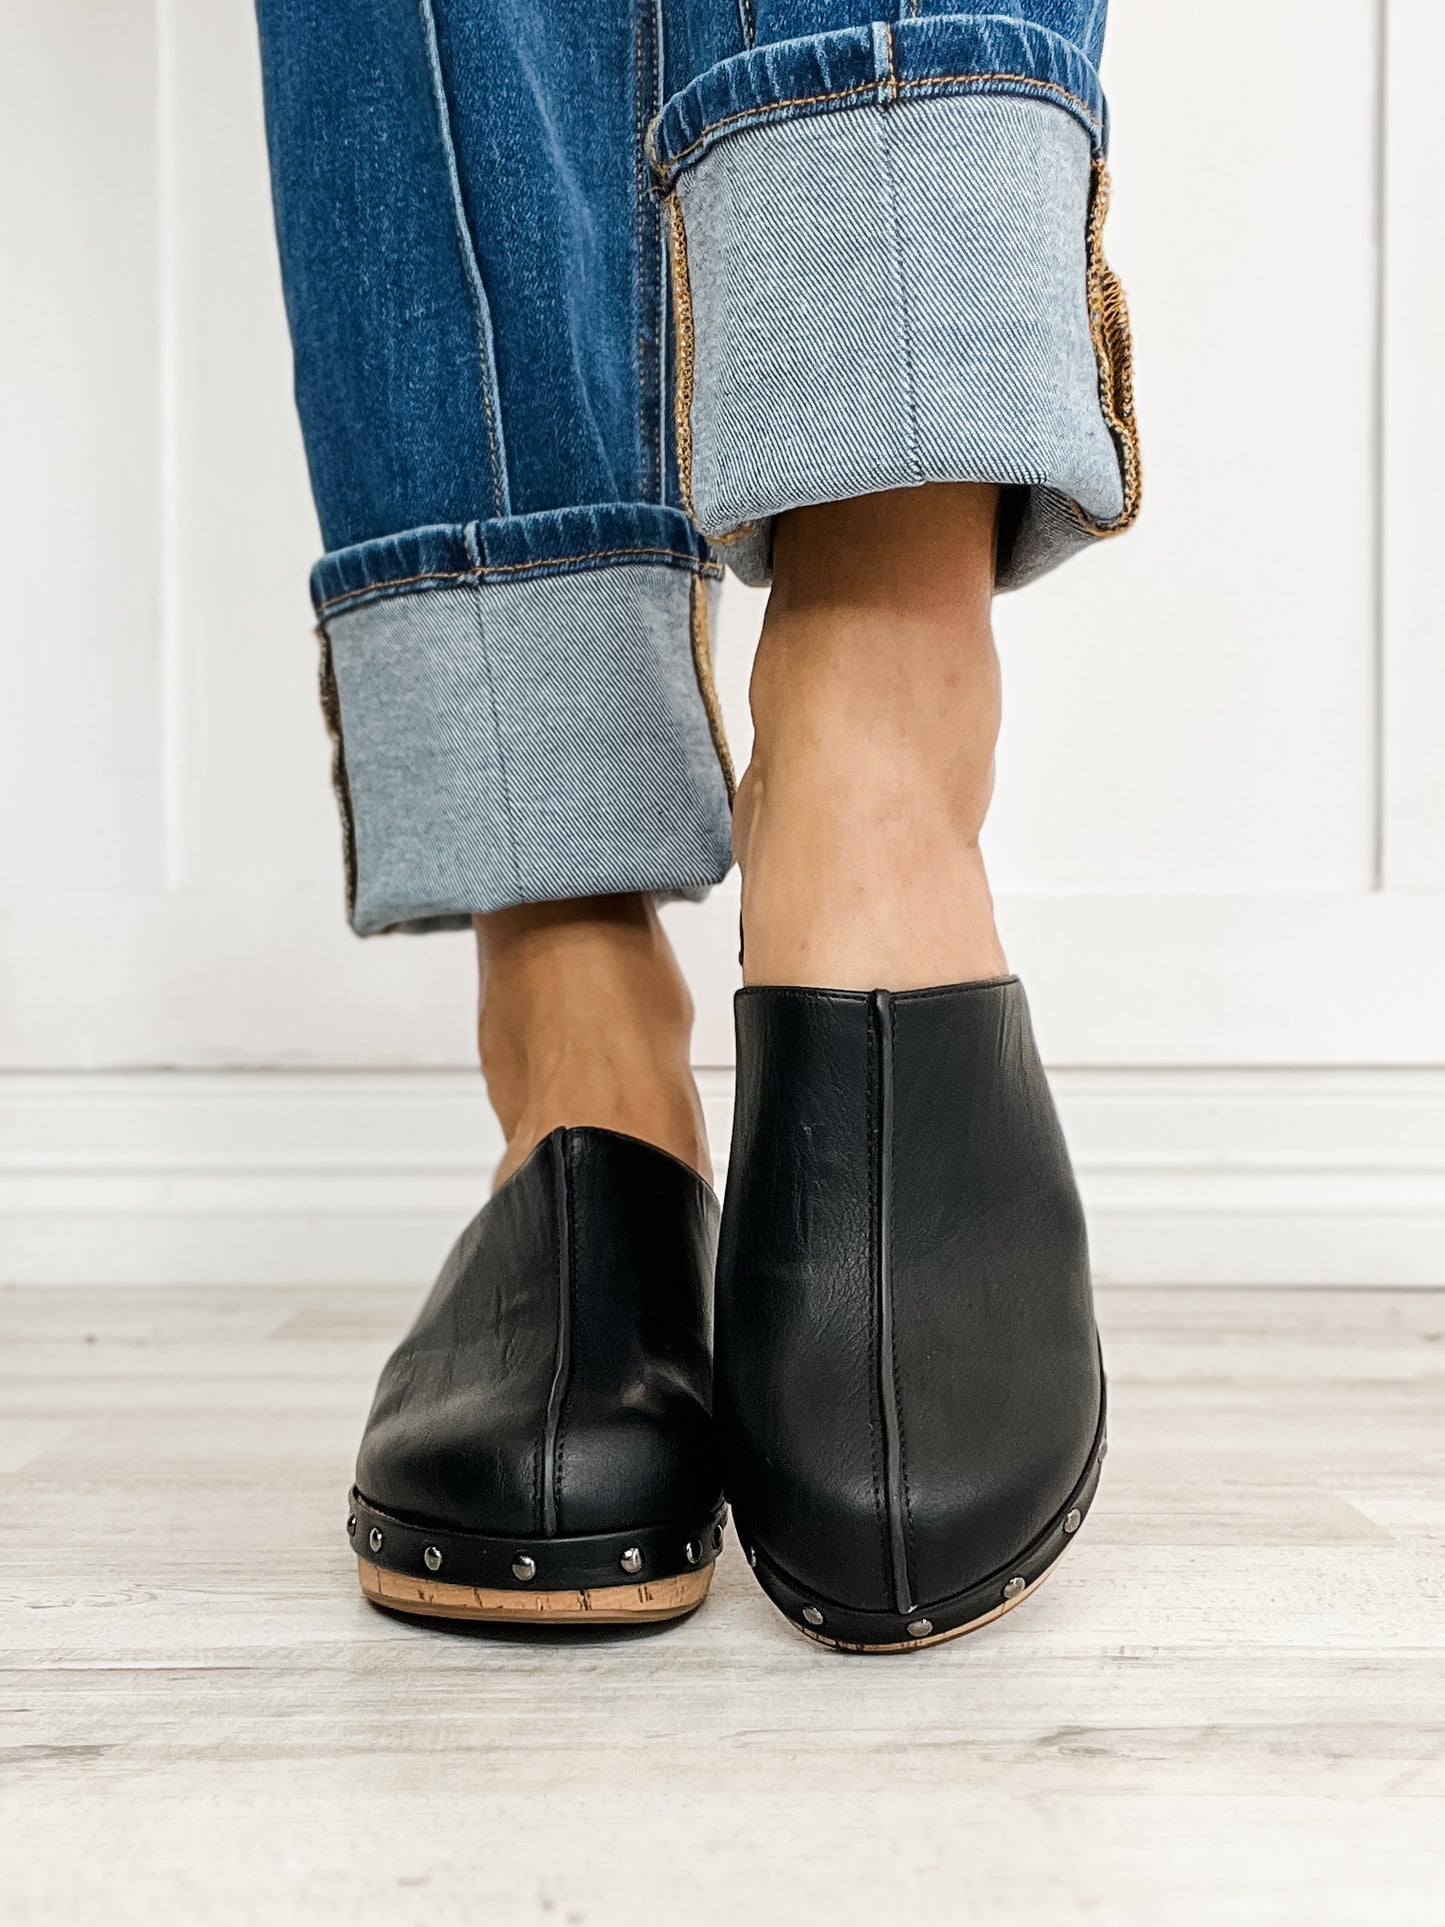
[930, 1639]
[647, 1601]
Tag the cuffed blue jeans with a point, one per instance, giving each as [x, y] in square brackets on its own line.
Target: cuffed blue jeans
[583, 294]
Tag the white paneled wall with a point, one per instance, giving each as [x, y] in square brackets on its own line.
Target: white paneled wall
[1219, 837]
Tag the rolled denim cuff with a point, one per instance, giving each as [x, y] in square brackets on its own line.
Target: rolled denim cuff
[887, 271]
[522, 711]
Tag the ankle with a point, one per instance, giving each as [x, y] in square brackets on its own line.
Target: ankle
[876, 702]
[885, 891]
[586, 1019]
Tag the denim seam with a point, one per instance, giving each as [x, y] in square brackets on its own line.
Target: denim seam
[484, 657]
[645, 106]
[669, 557]
[340, 780]
[1113, 354]
[749, 25]
[888, 82]
[905, 321]
[924, 85]
[686, 351]
[684, 372]
[701, 637]
[466, 244]
[658, 403]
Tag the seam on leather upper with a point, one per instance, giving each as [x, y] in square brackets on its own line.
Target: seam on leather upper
[886, 1352]
[906, 1489]
[553, 1438]
[875, 1414]
[1091, 1470]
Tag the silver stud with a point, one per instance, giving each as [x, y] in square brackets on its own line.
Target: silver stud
[811, 1616]
[373, 1538]
[753, 1556]
[524, 1568]
[631, 1560]
[1073, 1520]
[432, 1558]
[1018, 1584]
[717, 1538]
[692, 1552]
[1103, 1450]
[351, 1523]
[919, 1628]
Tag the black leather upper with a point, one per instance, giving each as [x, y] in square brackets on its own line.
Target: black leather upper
[557, 1381]
[907, 1379]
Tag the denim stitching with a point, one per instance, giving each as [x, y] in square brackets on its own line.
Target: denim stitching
[484, 659]
[1114, 353]
[685, 371]
[639, 197]
[340, 781]
[682, 326]
[666, 170]
[701, 627]
[749, 25]
[887, 87]
[730, 537]
[645, 106]
[660, 412]
[501, 500]
[710, 569]
[905, 325]
[925, 81]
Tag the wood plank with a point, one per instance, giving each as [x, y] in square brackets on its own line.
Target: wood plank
[1228, 1702]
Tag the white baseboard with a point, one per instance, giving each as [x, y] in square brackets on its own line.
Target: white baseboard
[1208, 1176]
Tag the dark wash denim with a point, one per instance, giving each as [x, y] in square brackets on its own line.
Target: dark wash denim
[583, 293]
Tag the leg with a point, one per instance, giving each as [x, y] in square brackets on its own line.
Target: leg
[909, 382]
[513, 603]
[515, 665]
[586, 1020]
[875, 699]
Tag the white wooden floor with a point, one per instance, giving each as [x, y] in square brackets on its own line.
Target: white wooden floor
[1227, 1705]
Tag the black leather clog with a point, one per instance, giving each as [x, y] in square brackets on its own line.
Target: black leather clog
[908, 1390]
[540, 1446]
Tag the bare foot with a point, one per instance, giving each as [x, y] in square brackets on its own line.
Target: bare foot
[585, 1019]
[875, 699]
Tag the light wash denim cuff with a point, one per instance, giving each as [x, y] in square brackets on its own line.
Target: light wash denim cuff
[523, 711]
[887, 271]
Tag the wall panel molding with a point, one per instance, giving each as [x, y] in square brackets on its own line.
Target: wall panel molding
[1233, 1176]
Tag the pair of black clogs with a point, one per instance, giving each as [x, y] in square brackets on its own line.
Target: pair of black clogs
[904, 1403]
